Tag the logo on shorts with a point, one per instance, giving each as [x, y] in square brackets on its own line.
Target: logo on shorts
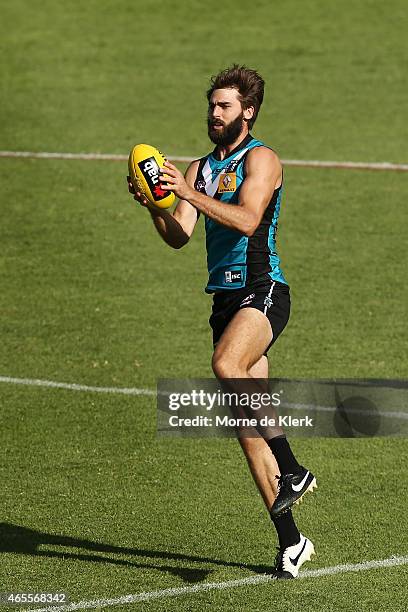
[247, 300]
[228, 182]
[268, 302]
[233, 276]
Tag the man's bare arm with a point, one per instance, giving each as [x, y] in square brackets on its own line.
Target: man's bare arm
[263, 175]
[175, 228]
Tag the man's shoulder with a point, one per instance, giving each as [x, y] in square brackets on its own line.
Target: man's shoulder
[263, 154]
[199, 161]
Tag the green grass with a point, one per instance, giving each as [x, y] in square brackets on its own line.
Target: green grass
[104, 75]
[90, 295]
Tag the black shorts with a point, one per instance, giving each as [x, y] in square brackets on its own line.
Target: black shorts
[272, 299]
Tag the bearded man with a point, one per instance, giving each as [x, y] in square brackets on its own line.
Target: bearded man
[238, 189]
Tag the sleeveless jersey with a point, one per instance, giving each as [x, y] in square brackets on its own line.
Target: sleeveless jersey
[234, 260]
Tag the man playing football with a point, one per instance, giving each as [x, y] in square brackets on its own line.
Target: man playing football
[238, 188]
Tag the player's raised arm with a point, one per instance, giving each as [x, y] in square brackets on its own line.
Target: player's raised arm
[175, 228]
[263, 175]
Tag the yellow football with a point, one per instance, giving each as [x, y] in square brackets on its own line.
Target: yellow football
[144, 169]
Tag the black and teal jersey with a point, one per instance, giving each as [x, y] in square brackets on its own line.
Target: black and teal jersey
[235, 260]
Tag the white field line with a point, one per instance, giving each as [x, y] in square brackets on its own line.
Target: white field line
[36, 382]
[303, 163]
[396, 414]
[228, 584]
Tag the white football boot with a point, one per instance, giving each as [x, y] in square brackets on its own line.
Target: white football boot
[289, 560]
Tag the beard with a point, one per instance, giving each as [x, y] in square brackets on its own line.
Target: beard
[228, 134]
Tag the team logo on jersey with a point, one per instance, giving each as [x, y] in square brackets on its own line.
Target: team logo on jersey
[232, 165]
[200, 186]
[227, 183]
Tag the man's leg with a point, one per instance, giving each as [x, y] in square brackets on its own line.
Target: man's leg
[261, 460]
[239, 354]
[240, 347]
[264, 469]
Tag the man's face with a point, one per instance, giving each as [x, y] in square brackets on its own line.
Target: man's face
[225, 116]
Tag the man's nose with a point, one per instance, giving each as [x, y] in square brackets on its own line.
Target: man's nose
[215, 112]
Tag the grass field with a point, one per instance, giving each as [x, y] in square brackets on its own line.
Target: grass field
[93, 503]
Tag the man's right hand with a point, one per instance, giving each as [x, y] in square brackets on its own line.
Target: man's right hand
[137, 195]
[174, 228]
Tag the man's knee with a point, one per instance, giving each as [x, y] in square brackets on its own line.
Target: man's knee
[228, 367]
[220, 366]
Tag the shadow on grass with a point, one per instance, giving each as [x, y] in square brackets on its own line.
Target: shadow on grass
[24, 541]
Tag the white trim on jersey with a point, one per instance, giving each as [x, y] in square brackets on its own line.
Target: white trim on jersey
[211, 186]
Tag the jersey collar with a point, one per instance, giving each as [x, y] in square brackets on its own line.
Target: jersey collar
[248, 138]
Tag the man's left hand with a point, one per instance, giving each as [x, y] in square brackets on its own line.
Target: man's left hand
[172, 180]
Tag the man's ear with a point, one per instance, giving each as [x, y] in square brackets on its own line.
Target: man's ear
[249, 113]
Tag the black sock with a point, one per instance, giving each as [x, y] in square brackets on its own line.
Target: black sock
[285, 459]
[287, 531]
